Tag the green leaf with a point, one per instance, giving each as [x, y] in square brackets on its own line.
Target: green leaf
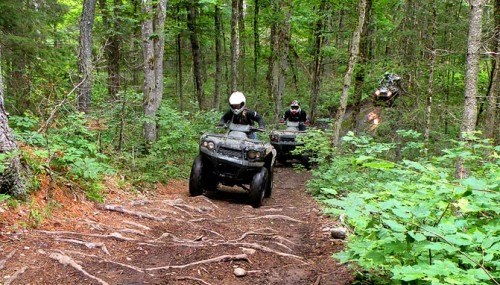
[474, 183]
[395, 226]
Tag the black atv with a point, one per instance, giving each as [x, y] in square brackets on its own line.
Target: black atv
[285, 141]
[234, 159]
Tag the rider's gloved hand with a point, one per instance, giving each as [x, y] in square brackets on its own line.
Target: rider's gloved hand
[282, 122]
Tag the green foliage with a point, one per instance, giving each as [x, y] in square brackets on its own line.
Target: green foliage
[70, 150]
[413, 219]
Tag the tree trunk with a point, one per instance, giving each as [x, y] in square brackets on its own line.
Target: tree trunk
[280, 42]
[472, 68]
[179, 63]
[364, 55]
[153, 39]
[218, 63]
[242, 38]
[491, 126]
[256, 48]
[85, 65]
[348, 76]
[197, 59]
[10, 180]
[318, 63]
[430, 82]
[112, 46]
[235, 45]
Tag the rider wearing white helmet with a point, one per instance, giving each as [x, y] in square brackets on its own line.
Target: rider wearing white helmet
[295, 114]
[238, 113]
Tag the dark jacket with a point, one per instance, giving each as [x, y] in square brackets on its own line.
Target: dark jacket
[300, 117]
[246, 117]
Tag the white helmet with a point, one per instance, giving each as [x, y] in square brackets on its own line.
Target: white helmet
[237, 102]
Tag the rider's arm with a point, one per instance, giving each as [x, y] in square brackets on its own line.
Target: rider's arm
[286, 116]
[303, 116]
[226, 117]
[252, 115]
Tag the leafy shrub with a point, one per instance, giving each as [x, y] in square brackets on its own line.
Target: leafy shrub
[413, 219]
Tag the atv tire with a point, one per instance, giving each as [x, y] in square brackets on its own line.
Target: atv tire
[269, 184]
[258, 187]
[196, 177]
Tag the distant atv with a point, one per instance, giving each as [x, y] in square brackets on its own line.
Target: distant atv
[234, 159]
[285, 141]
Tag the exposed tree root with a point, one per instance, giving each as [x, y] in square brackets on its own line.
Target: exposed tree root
[178, 203]
[135, 268]
[15, 275]
[180, 241]
[132, 231]
[141, 226]
[9, 256]
[211, 260]
[192, 278]
[116, 236]
[90, 245]
[66, 260]
[263, 248]
[207, 200]
[140, 202]
[273, 217]
[142, 215]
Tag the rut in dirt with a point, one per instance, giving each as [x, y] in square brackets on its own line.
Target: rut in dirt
[167, 237]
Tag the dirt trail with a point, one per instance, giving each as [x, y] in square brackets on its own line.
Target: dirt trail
[167, 237]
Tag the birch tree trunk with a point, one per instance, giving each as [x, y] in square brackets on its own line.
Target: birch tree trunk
[430, 82]
[197, 58]
[153, 40]
[492, 130]
[350, 69]
[235, 45]
[218, 51]
[10, 180]
[472, 68]
[85, 65]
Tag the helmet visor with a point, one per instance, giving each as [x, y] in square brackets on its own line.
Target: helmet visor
[294, 107]
[237, 106]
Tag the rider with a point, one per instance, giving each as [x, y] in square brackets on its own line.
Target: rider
[390, 79]
[295, 114]
[238, 113]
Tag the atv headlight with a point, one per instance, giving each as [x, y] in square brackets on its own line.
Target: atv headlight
[252, 154]
[377, 92]
[389, 93]
[208, 144]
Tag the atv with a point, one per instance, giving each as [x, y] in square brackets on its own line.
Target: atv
[234, 159]
[285, 141]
